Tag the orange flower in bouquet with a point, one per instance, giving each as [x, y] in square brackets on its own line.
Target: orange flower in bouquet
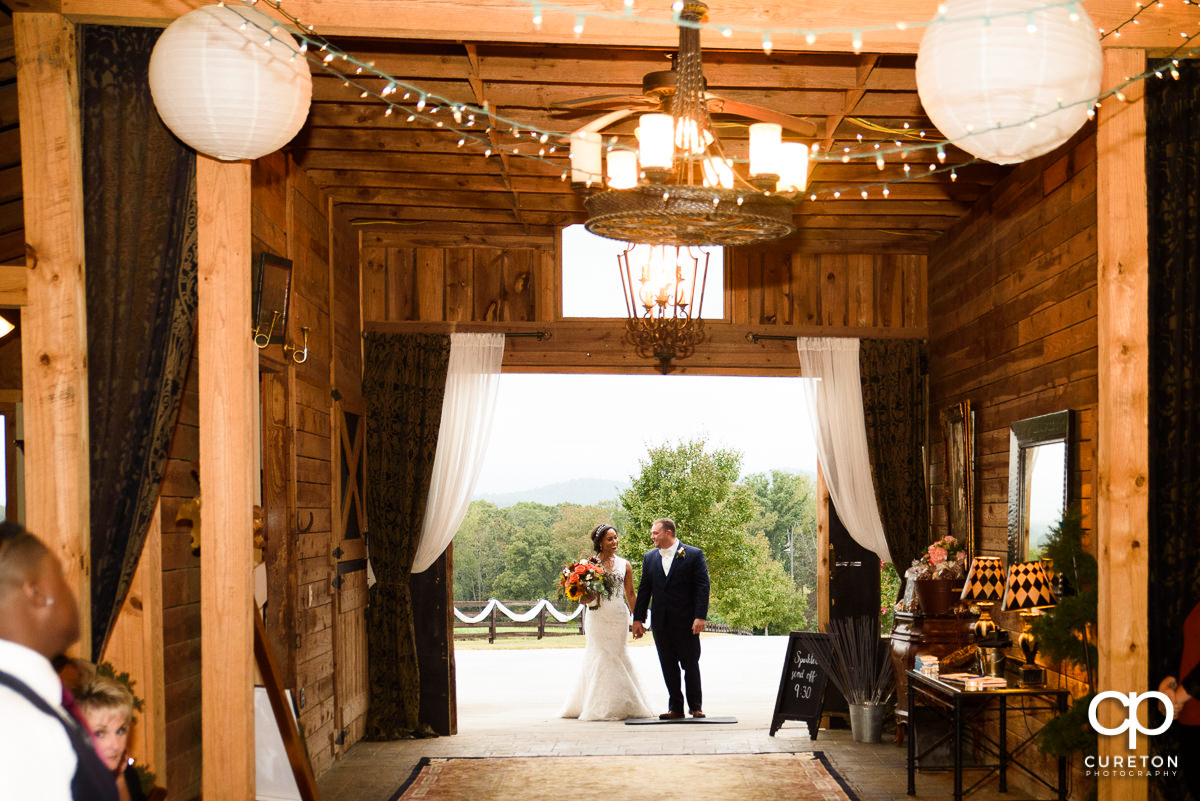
[586, 581]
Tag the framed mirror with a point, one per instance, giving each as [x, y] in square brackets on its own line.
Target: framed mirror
[271, 279]
[1039, 469]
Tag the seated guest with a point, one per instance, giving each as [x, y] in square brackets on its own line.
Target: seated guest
[44, 753]
[108, 708]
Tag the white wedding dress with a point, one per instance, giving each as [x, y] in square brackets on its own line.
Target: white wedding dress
[607, 687]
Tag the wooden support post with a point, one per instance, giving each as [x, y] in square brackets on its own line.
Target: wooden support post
[135, 646]
[1122, 449]
[54, 321]
[823, 550]
[226, 479]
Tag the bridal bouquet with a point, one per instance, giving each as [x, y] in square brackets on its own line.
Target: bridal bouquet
[587, 577]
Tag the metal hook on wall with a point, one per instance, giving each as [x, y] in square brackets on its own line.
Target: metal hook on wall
[299, 354]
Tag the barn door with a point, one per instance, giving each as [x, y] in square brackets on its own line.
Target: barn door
[350, 583]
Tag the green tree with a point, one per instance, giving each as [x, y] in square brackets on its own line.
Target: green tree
[699, 491]
[785, 504]
[479, 548]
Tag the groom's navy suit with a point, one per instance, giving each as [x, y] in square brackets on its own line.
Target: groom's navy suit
[677, 598]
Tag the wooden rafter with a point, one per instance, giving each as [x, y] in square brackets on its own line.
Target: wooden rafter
[493, 136]
[853, 96]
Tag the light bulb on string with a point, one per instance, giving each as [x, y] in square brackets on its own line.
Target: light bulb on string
[766, 42]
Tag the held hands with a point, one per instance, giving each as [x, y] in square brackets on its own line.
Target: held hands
[698, 625]
[638, 630]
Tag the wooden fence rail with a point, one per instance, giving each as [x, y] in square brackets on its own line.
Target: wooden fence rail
[542, 625]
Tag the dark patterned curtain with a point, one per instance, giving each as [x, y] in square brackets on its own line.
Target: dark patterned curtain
[892, 373]
[140, 239]
[1173, 189]
[404, 381]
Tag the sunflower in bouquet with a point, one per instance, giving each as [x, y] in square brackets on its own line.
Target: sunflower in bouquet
[586, 581]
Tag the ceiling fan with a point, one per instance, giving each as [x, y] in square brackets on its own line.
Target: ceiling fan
[658, 91]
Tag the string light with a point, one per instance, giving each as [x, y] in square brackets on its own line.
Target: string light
[810, 36]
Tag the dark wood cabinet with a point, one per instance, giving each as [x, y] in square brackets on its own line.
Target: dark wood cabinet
[914, 634]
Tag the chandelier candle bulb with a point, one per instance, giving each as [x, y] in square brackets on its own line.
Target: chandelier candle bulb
[656, 141]
[585, 158]
[718, 172]
[793, 165]
[622, 169]
[764, 149]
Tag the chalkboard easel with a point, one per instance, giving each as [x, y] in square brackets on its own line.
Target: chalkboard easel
[802, 685]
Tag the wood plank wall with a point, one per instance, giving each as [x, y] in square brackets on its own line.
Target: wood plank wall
[12, 218]
[181, 602]
[1012, 325]
[291, 219]
[1012, 328]
[768, 290]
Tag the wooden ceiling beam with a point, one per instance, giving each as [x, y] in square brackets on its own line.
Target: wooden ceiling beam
[505, 21]
[851, 100]
[343, 181]
[482, 101]
[476, 233]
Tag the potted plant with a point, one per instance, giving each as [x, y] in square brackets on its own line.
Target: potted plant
[939, 575]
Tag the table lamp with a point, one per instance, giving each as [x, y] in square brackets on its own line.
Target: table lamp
[1028, 590]
[984, 587]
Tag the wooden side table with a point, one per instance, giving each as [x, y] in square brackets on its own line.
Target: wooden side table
[971, 711]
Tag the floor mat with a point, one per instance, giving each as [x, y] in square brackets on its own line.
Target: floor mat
[715, 777]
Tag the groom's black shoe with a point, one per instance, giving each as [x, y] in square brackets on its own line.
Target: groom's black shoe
[697, 713]
[672, 715]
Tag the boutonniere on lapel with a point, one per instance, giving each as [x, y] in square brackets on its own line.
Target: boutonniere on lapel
[679, 554]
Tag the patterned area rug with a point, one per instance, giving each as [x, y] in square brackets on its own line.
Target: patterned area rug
[719, 777]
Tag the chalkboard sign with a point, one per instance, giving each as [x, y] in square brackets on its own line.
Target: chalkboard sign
[802, 685]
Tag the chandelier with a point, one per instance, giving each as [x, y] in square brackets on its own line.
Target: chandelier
[680, 191]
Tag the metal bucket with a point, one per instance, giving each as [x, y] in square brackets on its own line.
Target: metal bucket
[866, 722]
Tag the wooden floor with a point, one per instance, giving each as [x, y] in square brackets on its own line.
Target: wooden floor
[508, 705]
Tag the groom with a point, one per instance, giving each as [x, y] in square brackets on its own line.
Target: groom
[675, 584]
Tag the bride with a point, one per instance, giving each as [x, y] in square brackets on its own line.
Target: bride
[607, 687]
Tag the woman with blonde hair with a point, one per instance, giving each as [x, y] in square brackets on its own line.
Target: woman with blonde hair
[107, 705]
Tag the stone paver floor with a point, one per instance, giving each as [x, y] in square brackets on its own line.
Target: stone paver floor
[508, 703]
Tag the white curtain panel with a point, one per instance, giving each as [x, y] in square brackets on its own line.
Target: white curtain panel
[472, 384]
[835, 409]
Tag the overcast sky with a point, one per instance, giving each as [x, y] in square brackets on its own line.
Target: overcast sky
[551, 428]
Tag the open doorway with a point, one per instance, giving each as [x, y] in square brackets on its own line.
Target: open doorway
[570, 451]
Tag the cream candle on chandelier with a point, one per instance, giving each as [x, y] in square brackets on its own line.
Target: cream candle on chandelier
[585, 157]
[656, 141]
[622, 169]
[764, 148]
[793, 167]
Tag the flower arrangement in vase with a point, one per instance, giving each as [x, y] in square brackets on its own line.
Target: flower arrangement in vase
[938, 575]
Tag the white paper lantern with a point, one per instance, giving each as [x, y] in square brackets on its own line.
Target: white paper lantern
[224, 87]
[1004, 63]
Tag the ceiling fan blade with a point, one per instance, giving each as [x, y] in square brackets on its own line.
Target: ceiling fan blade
[720, 104]
[602, 100]
[602, 122]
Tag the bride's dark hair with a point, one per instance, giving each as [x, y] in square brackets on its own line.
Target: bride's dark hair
[598, 535]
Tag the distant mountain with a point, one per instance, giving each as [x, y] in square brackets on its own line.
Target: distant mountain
[582, 491]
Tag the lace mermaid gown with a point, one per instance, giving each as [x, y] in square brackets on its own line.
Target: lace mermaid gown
[607, 687]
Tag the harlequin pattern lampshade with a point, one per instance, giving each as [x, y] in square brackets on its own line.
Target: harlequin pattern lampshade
[1027, 587]
[985, 581]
